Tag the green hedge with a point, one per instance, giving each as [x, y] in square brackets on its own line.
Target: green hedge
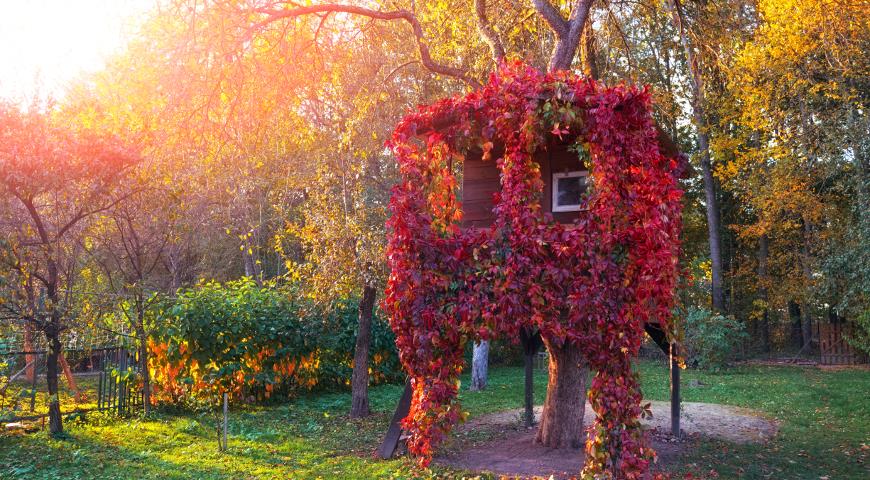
[257, 342]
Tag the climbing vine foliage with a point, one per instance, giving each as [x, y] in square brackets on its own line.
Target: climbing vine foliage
[594, 283]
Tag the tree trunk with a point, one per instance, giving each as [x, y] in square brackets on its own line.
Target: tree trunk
[568, 39]
[806, 329]
[562, 418]
[531, 342]
[764, 325]
[143, 367]
[807, 319]
[360, 379]
[794, 314]
[55, 424]
[252, 268]
[529, 400]
[70, 379]
[29, 358]
[712, 203]
[479, 365]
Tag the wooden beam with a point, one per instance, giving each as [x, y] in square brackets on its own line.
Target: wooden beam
[394, 432]
[658, 335]
[675, 393]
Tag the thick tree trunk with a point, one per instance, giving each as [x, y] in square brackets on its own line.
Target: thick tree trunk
[562, 418]
[479, 365]
[567, 32]
[713, 226]
[360, 380]
[55, 424]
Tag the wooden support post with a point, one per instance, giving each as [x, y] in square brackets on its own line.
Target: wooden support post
[394, 432]
[100, 390]
[675, 392]
[225, 423]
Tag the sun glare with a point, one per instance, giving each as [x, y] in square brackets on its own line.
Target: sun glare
[44, 44]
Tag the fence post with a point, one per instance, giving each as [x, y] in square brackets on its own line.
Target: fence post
[100, 391]
[225, 421]
[675, 391]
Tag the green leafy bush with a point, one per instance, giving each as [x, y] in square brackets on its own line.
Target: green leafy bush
[711, 340]
[256, 342]
[860, 337]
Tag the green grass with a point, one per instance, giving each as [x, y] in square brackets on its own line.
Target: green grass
[17, 399]
[824, 418]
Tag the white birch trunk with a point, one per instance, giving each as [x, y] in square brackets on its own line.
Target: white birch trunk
[479, 365]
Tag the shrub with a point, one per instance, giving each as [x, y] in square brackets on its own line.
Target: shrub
[255, 342]
[710, 340]
[860, 336]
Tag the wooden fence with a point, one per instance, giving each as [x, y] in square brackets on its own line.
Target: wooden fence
[835, 350]
[118, 389]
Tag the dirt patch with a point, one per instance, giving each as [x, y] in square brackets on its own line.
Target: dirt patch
[498, 443]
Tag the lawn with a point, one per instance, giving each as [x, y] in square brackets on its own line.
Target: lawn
[824, 418]
[20, 396]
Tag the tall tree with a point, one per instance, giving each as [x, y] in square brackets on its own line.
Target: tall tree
[796, 91]
[699, 113]
[129, 244]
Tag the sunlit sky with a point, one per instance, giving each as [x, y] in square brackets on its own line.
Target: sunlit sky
[44, 44]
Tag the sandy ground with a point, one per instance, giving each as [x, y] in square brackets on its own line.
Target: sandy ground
[509, 448]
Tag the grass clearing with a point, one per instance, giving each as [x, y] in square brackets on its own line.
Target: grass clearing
[824, 432]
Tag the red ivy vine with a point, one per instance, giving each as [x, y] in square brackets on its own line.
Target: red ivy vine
[595, 282]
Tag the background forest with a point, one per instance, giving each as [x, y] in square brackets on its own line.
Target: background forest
[216, 197]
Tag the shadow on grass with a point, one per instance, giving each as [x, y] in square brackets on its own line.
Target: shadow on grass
[79, 456]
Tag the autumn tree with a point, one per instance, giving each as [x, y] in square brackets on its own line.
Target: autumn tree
[129, 244]
[797, 107]
[55, 179]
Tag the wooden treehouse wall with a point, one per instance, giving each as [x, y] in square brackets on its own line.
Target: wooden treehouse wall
[480, 180]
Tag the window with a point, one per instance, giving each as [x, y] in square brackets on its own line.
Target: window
[568, 191]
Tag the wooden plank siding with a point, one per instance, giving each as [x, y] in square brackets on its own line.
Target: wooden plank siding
[481, 179]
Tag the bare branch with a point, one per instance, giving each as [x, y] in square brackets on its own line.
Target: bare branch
[423, 48]
[488, 32]
[393, 71]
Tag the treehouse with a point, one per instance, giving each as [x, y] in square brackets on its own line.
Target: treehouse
[542, 252]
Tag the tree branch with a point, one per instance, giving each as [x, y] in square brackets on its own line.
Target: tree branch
[567, 31]
[273, 15]
[551, 15]
[488, 32]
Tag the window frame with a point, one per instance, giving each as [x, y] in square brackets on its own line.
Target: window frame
[584, 174]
